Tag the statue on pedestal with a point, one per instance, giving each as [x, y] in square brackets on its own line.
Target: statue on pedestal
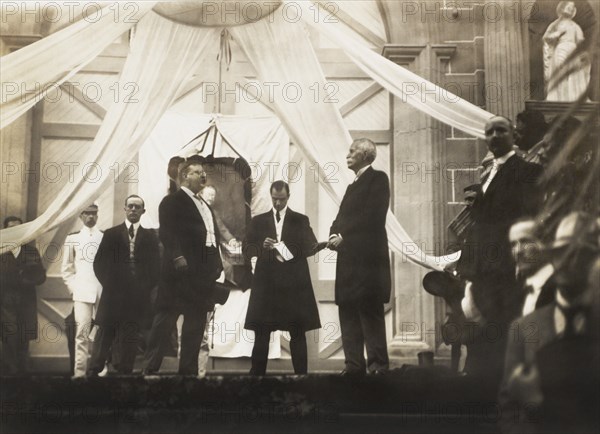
[560, 39]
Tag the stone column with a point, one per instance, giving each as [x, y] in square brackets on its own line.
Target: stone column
[415, 183]
[506, 72]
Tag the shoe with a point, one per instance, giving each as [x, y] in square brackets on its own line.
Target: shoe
[379, 372]
[103, 372]
[352, 374]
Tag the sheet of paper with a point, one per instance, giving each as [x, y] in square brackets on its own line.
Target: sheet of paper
[284, 251]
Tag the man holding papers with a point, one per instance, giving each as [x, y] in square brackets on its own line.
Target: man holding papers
[282, 296]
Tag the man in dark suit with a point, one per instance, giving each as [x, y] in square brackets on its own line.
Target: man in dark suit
[534, 270]
[191, 265]
[492, 297]
[282, 295]
[363, 279]
[20, 271]
[127, 265]
[551, 358]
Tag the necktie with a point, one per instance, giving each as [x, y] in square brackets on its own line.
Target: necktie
[277, 216]
[490, 178]
[131, 250]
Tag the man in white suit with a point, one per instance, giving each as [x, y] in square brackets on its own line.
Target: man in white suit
[78, 274]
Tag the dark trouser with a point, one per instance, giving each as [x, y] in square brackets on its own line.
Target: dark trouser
[260, 352]
[70, 328]
[485, 354]
[15, 344]
[363, 323]
[192, 330]
[123, 338]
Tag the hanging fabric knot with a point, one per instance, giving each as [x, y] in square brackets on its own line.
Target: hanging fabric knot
[225, 48]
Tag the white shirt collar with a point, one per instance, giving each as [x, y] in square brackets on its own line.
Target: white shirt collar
[15, 252]
[281, 213]
[91, 230]
[189, 192]
[561, 300]
[540, 277]
[504, 158]
[135, 225]
[361, 171]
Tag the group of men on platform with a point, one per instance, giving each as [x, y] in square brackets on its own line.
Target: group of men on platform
[111, 276]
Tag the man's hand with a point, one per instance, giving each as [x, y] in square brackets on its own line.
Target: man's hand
[269, 243]
[524, 385]
[180, 264]
[334, 242]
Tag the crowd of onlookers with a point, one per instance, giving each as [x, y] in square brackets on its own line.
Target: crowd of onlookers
[530, 268]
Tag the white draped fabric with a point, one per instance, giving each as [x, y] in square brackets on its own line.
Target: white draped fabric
[229, 337]
[281, 53]
[406, 85]
[163, 53]
[260, 140]
[161, 58]
[30, 73]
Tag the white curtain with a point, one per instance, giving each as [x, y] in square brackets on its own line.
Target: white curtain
[260, 140]
[406, 85]
[30, 73]
[163, 55]
[282, 54]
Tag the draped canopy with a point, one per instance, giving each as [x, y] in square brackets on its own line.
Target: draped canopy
[162, 55]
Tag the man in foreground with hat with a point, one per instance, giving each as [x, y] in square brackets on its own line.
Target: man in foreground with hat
[550, 374]
[78, 274]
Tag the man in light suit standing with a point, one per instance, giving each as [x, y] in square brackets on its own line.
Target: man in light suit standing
[363, 278]
[78, 274]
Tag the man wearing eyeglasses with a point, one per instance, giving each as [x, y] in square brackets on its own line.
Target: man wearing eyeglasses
[78, 274]
[191, 265]
[127, 266]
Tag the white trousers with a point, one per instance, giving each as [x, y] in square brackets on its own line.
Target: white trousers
[84, 312]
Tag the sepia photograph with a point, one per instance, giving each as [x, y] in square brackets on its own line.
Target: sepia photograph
[300, 216]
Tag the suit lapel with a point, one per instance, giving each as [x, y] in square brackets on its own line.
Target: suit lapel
[139, 239]
[503, 172]
[362, 180]
[124, 236]
[287, 223]
[270, 224]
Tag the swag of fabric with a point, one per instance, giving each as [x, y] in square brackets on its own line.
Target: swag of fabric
[163, 56]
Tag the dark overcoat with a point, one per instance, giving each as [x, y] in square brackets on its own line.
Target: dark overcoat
[282, 296]
[18, 279]
[183, 233]
[363, 262]
[486, 257]
[126, 294]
